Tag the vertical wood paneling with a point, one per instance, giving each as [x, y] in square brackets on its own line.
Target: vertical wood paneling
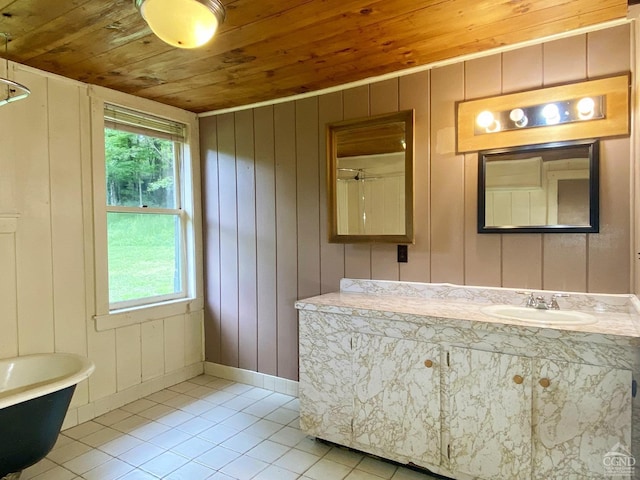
[384, 99]
[174, 343]
[308, 195]
[357, 257]
[609, 268]
[447, 177]
[8, 154]
[522, 69]
[565, 262]
[66, 217]
[608, 52]
[414, 94]
[101, 349]
[8, 296]
[211, 233]
[33, 238]
[247, 260]
[564, 256]
[266, 240]
[228, 240]
[286, 233]
[152, 349]
[193, 347]
[8, 281]
[128, 357]
[49, 288]
[562, 68]
[331, 254]
[290, 194]
[482, 253]
[522, 253]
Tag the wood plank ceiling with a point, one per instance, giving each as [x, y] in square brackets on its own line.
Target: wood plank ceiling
[269, 49]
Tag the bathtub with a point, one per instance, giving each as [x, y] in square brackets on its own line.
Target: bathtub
[35, 392]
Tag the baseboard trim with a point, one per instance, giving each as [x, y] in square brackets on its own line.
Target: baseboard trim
[83, 413]
[249, 377]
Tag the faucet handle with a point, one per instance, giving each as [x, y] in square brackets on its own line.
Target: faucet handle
[531, 299]
[554, 302]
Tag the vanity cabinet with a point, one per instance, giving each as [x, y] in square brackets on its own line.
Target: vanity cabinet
[519, 417]
[326, 379]
[580, 412]
[461, 412]
[396, 397]
[489, 412]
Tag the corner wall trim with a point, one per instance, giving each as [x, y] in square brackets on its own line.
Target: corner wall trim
[256, 379]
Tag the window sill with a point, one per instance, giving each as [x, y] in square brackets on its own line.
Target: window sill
[147, 313]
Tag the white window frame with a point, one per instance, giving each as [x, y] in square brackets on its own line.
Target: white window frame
[189, 191]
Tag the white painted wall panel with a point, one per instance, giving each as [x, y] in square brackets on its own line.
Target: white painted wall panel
[174, 357]
[29, 126]
[47, 259]
[128, 357]
[152, 338]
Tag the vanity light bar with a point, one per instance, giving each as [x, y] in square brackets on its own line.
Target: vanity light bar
[554, 113]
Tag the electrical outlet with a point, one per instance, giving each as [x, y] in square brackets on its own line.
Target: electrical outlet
[403, 253]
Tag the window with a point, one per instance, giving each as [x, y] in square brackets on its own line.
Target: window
[146, 222]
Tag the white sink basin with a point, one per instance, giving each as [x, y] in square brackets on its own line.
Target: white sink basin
[532, 315]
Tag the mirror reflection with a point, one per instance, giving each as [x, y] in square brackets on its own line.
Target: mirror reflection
[541, 188]
[370, 179]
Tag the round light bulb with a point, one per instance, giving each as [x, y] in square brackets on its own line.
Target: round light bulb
[586, 108]
[551, 113]
[485, 119]
[518, 117]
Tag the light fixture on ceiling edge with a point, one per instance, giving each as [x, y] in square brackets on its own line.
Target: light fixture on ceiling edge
[14, 90]
[182, 23]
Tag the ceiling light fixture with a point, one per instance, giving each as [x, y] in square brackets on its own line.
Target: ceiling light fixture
[14, 91]
[182, 23]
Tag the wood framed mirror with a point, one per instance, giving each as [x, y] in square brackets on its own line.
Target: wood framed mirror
[547, 188]
[370, 179]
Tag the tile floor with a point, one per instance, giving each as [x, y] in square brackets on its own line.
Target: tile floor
[205, 428]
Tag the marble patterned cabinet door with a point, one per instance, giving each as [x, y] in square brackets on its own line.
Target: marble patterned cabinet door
[580, 413]
[490, 414]
[397, 398]
[326, 381]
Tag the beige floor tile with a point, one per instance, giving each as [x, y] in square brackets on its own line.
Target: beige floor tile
[296, 461]
[110, 470]
[272, 473]
[206, 429]
[87, 461]
[164, 464]
[191, 471]
[268, 451]
[244, 467]
[324, 469]
[217, 457]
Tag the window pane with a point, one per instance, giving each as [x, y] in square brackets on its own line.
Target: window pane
[140, 170]
[144, 258]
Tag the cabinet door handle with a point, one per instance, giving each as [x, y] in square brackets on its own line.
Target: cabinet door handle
[428, 363]
[518, 379]
[544, 382]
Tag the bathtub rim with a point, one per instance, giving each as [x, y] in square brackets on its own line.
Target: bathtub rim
[83, 367]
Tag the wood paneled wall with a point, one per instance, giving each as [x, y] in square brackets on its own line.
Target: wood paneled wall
[47, 276]
[265, 202]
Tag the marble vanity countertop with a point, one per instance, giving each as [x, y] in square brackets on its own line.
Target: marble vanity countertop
[440, 304]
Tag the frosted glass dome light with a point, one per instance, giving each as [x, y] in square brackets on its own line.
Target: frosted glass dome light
[182, 23]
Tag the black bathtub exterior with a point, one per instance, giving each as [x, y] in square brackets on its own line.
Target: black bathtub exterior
[29, 430]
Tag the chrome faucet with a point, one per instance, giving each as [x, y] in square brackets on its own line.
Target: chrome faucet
[540, 303]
